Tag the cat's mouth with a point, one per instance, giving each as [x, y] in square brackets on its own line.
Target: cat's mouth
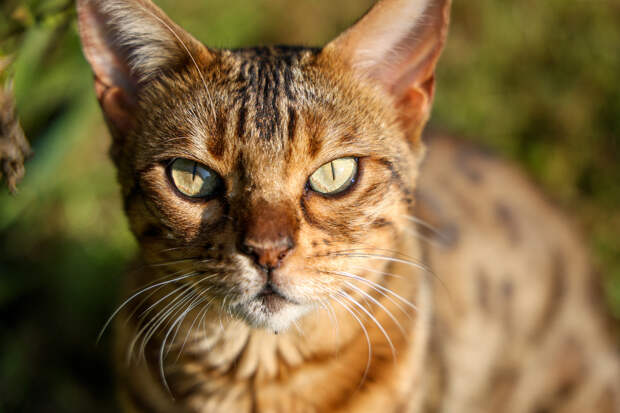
[270, 308]
[272, 299]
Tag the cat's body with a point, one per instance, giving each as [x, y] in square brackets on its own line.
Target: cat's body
[269, 288]
[518, 325]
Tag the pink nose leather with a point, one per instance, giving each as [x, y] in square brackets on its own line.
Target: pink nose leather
[268, 255]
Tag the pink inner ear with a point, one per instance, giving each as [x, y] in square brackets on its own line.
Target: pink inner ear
[416, 71]
[414, 107]
[117, 106]
[397, 43]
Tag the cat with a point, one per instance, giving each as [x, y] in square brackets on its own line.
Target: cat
[303, 249]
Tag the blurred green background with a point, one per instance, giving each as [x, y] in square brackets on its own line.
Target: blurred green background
[538, 82]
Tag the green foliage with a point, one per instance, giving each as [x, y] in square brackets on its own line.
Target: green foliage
[536, 81]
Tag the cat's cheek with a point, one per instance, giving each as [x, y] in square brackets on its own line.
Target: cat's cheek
[305, 275]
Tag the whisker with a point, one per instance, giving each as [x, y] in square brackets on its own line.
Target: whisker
[198, 316]
[423, 267]
[165, 276]
[326, 305]
[190, 246]
[418, 235]
[161, 354]
[179, 320]
[383, 273]
[407, 260]
[368, 342]
[373, 318]
[388, 312]
[222, 308]
[141, 303]
[172, 308]
[161, 299]
[197, 301]
[148, 310]
[162, 318]
[142, 291]
[149, 328]
[202, 322]
[393, 301]
[374, 285]
[366, 247]
[383, 258]
[179, 261]
[425, 224]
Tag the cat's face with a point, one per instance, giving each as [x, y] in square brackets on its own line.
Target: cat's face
[262, 127]
[267, 181]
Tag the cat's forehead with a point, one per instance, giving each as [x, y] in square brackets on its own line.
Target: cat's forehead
[275, 101]
[265, 86]
[264, 109]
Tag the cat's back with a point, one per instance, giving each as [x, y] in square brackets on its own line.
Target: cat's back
[518, 325]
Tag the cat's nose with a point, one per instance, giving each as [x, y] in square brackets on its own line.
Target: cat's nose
[268, 255]
[268, 232]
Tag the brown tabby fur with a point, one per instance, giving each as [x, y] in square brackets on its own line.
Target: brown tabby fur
[482, 288]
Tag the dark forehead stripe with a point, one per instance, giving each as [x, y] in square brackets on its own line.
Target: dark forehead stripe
[292, 123]
[265, 87]
[217, 143]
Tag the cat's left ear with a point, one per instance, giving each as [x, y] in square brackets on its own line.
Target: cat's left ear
[397, 44]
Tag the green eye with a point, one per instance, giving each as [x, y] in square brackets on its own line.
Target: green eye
[193, 179]
[334, 176]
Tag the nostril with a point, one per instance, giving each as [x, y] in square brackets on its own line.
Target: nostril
[267, 255]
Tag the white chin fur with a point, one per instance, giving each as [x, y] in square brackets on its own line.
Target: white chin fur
[257, 315]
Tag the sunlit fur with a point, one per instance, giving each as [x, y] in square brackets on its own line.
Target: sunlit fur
[353, 328]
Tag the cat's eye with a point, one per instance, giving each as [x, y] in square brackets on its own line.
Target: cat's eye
[193, 179]
[334, 177]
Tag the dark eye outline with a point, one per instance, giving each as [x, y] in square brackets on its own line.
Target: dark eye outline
[219, 187]
[343, 192]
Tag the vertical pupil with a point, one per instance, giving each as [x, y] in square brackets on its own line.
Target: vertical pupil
[324, 179]
[193, 179]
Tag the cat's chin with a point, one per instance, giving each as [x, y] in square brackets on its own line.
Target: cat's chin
[271, 312]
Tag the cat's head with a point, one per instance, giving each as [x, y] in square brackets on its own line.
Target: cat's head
[266, 180]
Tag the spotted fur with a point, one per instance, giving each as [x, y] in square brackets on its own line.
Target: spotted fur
[458, 291]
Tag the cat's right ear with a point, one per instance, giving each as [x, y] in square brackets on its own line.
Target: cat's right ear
[396, 45]
[127, 43]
